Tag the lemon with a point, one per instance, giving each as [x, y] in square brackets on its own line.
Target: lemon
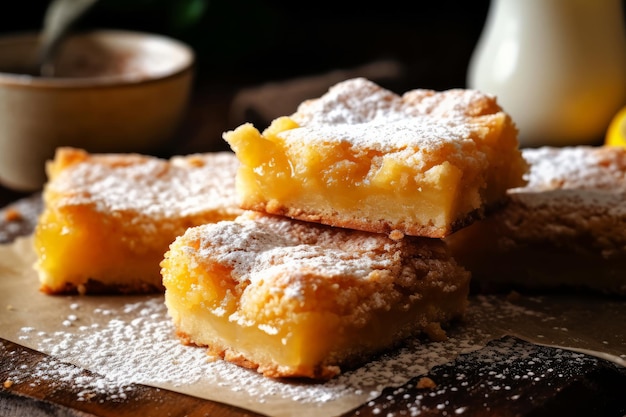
[616, 132]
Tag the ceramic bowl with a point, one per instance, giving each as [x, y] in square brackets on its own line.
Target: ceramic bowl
[111, 91]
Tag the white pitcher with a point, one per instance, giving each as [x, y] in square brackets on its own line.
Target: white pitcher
[557, 66]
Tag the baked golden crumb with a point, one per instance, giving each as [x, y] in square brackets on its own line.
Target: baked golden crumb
[12, 215]
[425, 163]
[425, 383]
[298, 299]
[566, 229]
[109, 218]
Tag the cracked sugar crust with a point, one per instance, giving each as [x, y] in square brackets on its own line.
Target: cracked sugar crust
[575, 195]
[297, 257]
[147, 186]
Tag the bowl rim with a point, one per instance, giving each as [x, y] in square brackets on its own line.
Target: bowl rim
[27, 80]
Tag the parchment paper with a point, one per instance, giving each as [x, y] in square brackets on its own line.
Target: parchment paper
[129, 339]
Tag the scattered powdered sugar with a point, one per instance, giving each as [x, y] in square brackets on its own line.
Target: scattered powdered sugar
[525, 364]
[56, 373]
[133, 342]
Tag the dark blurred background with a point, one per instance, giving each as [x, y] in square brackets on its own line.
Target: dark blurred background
[253, 41]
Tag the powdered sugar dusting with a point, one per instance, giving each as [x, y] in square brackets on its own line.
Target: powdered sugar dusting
[182, 186]
[266, 244]
[353, 101]
[362, 113]
[385, 135]
[577, 167]
[582, 181]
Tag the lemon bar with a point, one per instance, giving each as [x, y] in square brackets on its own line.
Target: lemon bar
[425, 163]
[299, 299]
[108, 219]
[564, 231]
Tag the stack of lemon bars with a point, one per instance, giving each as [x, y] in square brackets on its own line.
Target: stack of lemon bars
[314, 246]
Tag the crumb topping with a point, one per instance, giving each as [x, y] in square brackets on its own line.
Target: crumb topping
[256, 246]
[269, 244]
[159, 188]
[12, 215]
[576, 197]
[425, 383]
[362, 113]
[577, 167]
[576, 177]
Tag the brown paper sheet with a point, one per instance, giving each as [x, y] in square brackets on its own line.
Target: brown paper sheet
[129, 339]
